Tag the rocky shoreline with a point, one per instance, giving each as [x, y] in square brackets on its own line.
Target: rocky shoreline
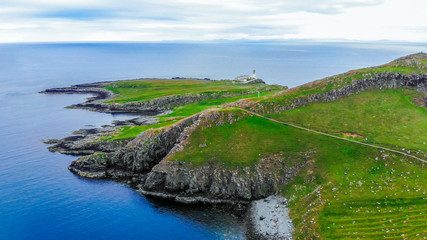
[147, 108]
[268, 219]
[144, 164]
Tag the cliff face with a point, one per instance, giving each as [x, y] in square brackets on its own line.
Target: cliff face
[146, 165]
[183, 182]
[388, 80]
[138, 157]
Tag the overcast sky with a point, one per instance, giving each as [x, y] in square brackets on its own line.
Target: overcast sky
[198, 20]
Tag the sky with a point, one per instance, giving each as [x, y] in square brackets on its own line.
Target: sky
[211, 20]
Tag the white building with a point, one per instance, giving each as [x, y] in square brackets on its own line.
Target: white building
[245, 78]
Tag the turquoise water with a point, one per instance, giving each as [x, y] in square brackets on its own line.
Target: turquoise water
[41, 199]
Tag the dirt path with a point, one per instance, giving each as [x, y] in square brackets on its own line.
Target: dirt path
[330, 135]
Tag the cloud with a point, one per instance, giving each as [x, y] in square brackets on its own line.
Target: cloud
[78, 14]
[155, 20]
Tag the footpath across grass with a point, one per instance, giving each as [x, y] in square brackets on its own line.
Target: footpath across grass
[386, 117]
[179, 113]
[345, 190]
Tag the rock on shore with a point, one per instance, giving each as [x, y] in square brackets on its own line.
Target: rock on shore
[268, 219]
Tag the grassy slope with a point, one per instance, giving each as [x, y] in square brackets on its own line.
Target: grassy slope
[406, 65]
[144, 90]
[367, 190]
[387, 117]
[377, 198]
[361, 192]
[347, 191]
[179, 113]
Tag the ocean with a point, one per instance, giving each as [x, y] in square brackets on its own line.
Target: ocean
[41, 199]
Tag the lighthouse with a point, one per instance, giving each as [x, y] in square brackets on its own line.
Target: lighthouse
[254, 74]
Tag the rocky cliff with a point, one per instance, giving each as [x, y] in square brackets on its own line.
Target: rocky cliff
[138, 157]
[387, 80]
[146, 165]
[213, 182]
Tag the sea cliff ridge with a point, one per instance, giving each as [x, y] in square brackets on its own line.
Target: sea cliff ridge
[222, 142]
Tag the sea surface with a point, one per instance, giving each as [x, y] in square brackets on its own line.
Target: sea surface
[41, 199]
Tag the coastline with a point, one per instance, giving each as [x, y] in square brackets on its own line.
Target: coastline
[143, 162]
[83, 144]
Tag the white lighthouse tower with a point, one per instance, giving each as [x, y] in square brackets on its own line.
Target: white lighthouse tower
[254, 74]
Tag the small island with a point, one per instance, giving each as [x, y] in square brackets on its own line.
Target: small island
[336, 153]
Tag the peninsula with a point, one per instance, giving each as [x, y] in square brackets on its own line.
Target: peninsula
[348, 152]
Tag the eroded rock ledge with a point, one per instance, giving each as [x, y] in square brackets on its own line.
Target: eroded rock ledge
[86, 142]
[145, 166]
[387, 80]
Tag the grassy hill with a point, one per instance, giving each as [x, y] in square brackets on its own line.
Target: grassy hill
[411, 64]
[145, 90]
[346, 190]
[359, 188]
[386, 117]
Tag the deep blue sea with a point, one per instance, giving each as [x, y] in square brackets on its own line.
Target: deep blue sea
[41, 199]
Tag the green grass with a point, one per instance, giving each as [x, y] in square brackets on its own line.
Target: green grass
[407, 65]
[128, 132]
[376, 218]
[240, 144]
[145, 90]
[178, 113]
[364, 192]
[346, 190]
[360, 197]
[359, 184]
[386, 117]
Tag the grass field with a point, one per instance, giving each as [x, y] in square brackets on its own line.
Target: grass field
[149, 89]
[387, 117]
[364, 191]
[179, 113]
[346, 190]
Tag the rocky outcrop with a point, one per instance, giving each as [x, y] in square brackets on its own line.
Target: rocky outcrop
[152, 107]
[79, 145]
[89, 141]
[144, 164]
[138, 157]
[183, 182]
[86, 141]
[388, 80]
